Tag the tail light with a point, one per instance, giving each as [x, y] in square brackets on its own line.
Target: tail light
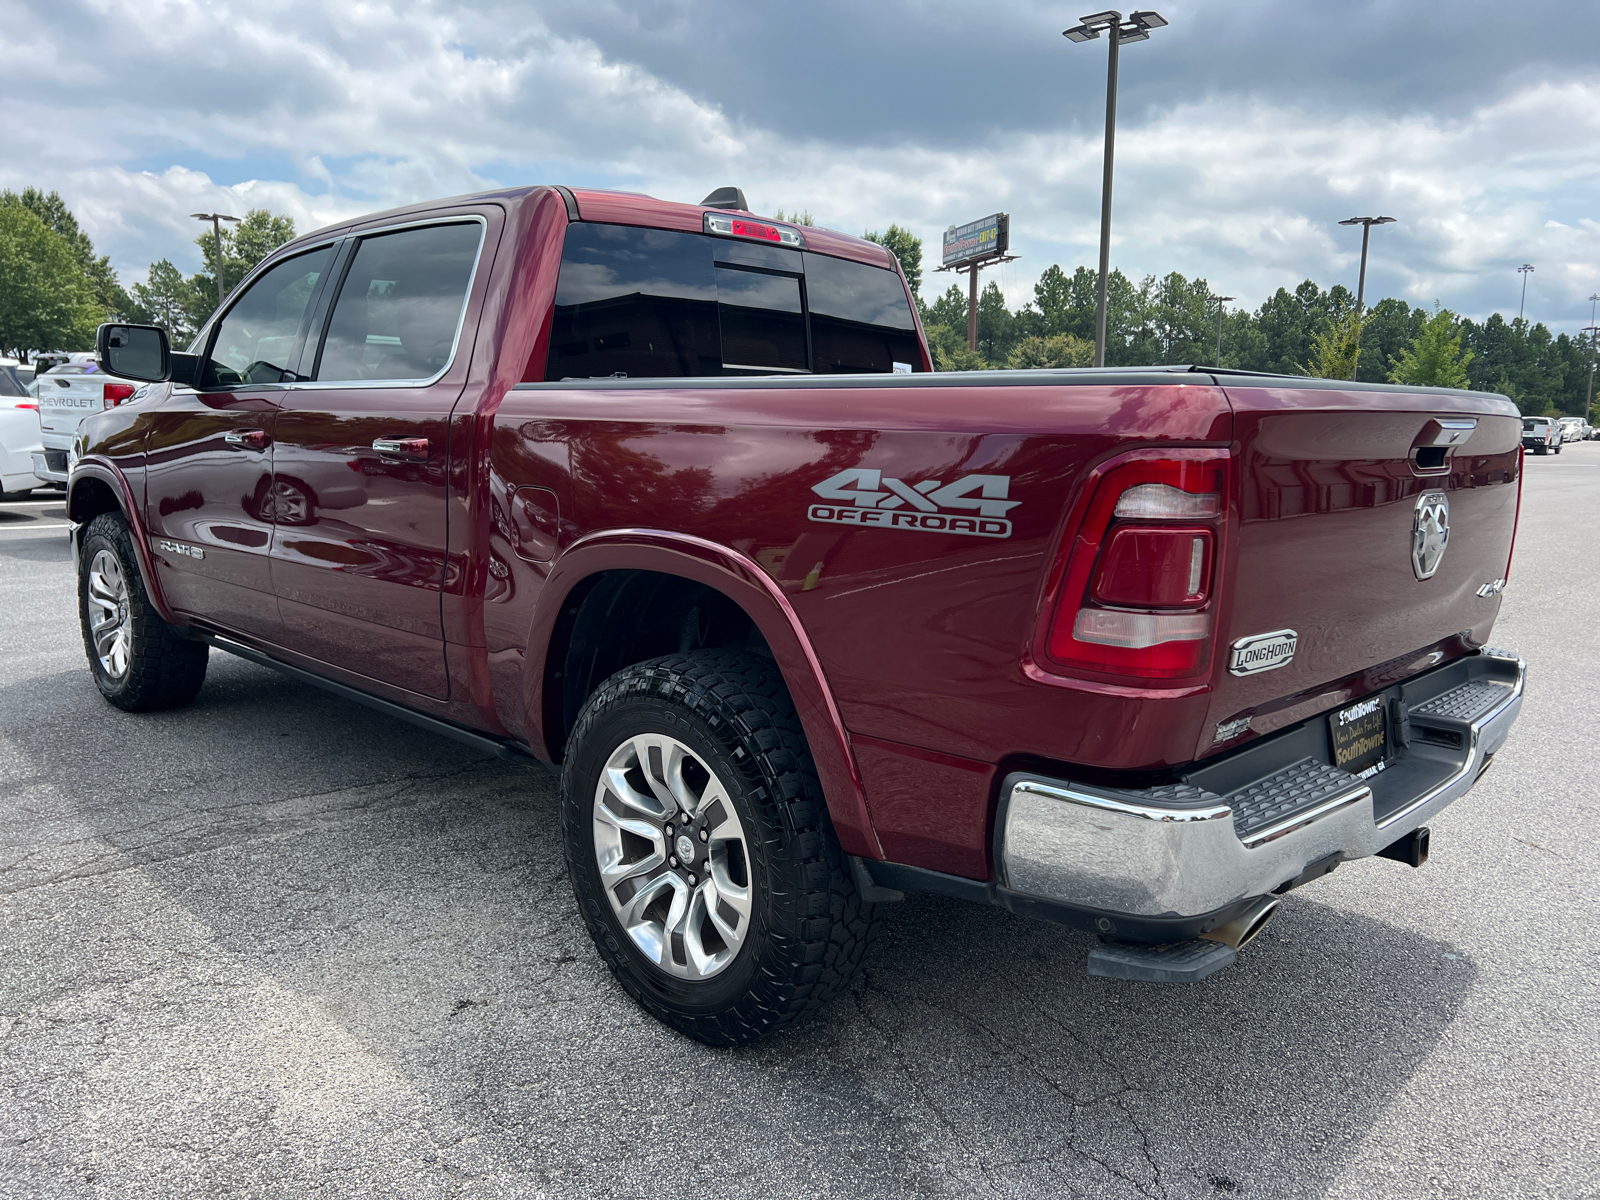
[1137, 593]
[117, 393]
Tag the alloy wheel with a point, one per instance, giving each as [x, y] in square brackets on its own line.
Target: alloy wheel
[673, 856]
[110, 616]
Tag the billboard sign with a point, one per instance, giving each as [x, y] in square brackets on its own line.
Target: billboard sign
[985, 238]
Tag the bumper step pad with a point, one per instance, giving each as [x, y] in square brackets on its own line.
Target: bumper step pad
[1178, 962]
[1465, 703]
[1296, 788]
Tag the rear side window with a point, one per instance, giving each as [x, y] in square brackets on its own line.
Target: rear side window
[399, 307]
[650, 303]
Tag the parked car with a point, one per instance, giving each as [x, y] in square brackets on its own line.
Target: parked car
[1571, 429]
[670, 496]
[19, 437]
[1541, 435]
[66, 394]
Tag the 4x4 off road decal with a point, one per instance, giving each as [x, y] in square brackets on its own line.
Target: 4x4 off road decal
[863, 496]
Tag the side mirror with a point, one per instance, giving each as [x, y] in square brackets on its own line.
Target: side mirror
[134, 352]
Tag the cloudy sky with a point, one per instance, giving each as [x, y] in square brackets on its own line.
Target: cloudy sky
[1247, 129]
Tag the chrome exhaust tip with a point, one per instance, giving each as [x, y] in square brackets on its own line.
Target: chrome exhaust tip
[1242, 930]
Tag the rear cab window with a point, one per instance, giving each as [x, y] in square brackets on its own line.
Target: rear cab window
[633, 302]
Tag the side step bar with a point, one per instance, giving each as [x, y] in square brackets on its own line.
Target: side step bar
[458, 733]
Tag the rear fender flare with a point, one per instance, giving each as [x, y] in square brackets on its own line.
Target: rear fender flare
[754, 591]
[97, 469]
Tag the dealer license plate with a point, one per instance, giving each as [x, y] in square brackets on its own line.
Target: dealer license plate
[1360, 735]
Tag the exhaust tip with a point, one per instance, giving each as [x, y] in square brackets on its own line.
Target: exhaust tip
[1244, 928]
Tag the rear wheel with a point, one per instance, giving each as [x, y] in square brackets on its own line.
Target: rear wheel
[700, 848]
[139, 662]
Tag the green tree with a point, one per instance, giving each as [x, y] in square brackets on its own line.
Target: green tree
[1057, 350]
[46, 300]
[906, 247]
[950, 353]
[166, 299]
[1387, 328]
[797, 217]
[1436, 358]
[58, 218]
[1335, 348]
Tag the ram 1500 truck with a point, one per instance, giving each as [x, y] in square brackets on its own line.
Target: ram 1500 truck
[668, 495]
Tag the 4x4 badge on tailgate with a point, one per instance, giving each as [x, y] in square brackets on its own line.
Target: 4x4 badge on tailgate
[1263, 652]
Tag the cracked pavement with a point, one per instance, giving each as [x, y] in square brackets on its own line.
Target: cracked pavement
[278, 945]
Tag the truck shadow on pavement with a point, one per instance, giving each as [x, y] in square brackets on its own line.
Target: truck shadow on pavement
[278, 940]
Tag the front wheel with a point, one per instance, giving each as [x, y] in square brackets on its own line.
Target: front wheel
[700, 848]
[139, 662]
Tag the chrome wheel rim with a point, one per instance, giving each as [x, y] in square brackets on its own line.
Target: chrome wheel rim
[673, 857]
[109, 615]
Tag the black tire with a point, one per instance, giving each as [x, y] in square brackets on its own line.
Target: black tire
[808, 925]
[1541, 450]
[160, 668]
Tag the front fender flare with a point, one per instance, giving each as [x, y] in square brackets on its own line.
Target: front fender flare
[747, 585]
[105, 472]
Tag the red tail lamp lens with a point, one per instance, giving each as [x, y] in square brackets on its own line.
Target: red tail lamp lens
[116, 393]
[1155, 568]
[1136, 591]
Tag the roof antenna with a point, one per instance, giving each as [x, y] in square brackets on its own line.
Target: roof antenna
[727, 197]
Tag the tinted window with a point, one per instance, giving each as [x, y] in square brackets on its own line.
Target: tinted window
[860, 318]
[642, 302]
[262, 333]
[657, 303]
[400, 305]
[763, 325]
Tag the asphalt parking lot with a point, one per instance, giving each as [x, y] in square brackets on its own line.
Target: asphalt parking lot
[278, 945]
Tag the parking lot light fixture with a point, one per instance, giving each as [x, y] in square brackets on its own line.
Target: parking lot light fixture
[1366, 224]
[1221, 300]
[216, 220]
[1524, 270]
[1593, 331]
[1136, 28]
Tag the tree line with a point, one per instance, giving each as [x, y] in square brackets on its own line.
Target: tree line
[1308, 331]
[54, 289]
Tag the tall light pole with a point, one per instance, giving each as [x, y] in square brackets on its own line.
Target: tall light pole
[1524, 270]
[216, 220]
[1366, 224]
[1221, 300]
[1135, 29]
[1594, 336]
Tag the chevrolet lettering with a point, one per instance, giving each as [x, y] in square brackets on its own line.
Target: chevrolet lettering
[652, 528]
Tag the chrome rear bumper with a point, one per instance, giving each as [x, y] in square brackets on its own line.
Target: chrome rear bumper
[1186, 849]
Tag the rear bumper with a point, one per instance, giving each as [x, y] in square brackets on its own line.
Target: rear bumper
[51, 465]
[1180, 856]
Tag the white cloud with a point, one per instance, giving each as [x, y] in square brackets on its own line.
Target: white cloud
[322, 112]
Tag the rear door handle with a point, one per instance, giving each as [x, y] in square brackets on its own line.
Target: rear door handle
[410, 449]
[250, 439]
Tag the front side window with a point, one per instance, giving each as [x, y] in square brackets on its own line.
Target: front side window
[259, 340]
[400, 304]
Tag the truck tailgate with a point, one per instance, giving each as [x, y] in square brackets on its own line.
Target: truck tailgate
[64, 400]
[1335, 489]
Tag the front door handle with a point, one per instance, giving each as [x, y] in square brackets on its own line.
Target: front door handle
[250, 439]
[409, 449]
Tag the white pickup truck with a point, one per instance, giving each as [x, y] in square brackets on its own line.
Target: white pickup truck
[67, 394]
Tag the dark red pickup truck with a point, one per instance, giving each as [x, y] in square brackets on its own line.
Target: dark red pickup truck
[668, 495]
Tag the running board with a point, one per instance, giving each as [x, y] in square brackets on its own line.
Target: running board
[458, 733]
